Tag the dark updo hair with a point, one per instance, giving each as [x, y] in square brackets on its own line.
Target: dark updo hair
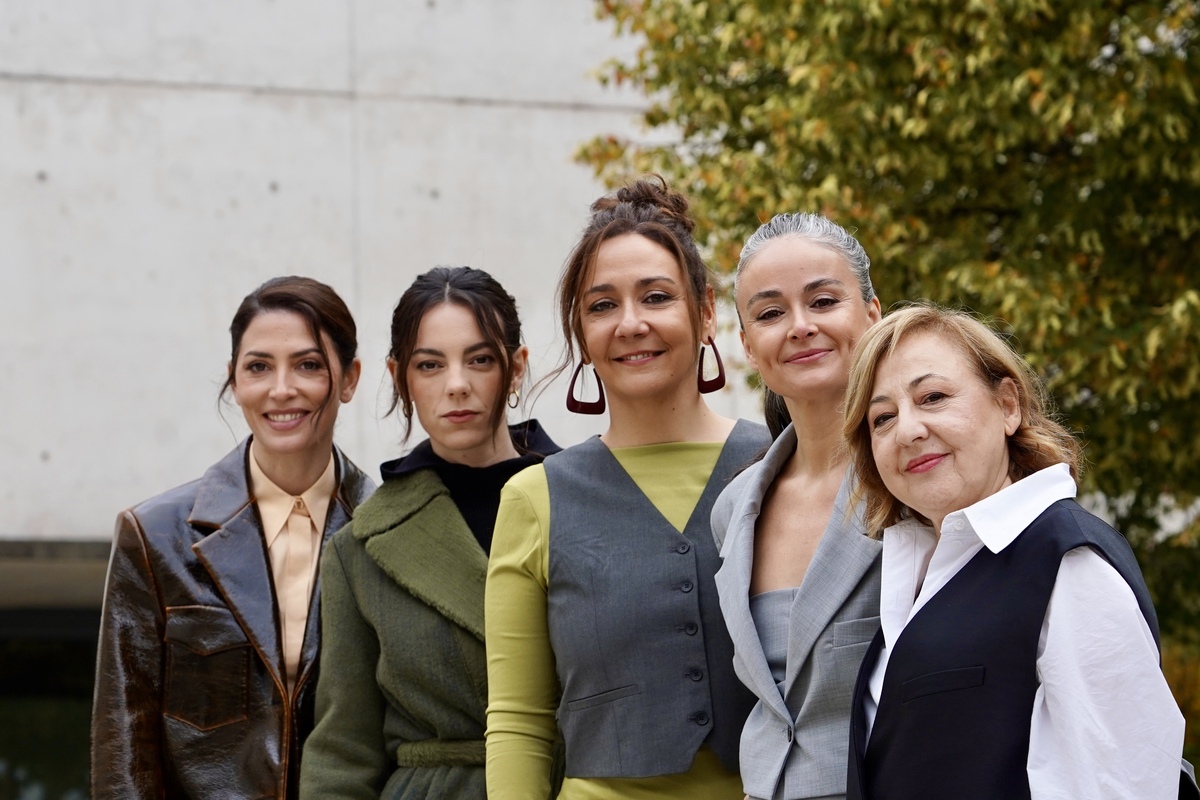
[648, 208]
[495, 313]
[318, 304]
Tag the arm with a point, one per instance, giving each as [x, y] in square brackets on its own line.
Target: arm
[345, 755]
[126, 757]
[1104, 722]
[522, 683]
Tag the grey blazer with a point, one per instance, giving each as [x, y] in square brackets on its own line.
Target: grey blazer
[795, 743]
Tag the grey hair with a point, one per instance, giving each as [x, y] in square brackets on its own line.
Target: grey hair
[818, 230]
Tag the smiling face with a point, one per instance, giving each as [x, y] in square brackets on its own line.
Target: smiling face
[802, 313]
[455, 380]
[281, 381]
[637, 329]
[938, 431]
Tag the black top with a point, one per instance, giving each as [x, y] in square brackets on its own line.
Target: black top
[476, 490]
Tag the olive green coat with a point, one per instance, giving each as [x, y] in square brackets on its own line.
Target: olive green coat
[402, 695]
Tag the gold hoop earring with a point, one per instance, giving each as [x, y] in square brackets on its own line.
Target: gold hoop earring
[514, 399]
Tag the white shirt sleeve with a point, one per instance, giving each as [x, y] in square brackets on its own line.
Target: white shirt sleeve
[1105, 724]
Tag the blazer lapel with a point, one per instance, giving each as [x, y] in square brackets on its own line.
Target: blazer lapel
[842, 557]
[416, 535]
[235, 555]
[733, 578]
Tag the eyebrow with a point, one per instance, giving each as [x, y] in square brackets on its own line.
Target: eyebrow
[608, 287]
[811, 286]
[914, 383]
[269, 356]
[430, 351]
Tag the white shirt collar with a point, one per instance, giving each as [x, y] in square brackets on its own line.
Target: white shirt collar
[998, 519]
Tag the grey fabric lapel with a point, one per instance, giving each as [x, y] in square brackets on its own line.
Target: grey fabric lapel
[417, 536]
[733, 578]
[842, 557]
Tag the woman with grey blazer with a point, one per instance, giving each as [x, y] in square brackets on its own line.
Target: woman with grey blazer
[799, 583]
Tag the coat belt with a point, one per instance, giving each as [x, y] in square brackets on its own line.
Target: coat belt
[441, 753]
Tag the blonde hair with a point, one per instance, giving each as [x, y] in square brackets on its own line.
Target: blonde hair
[1039, 441]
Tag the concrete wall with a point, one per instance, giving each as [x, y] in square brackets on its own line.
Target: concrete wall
[160, 158]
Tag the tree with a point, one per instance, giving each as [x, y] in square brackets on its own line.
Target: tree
[1036, 161]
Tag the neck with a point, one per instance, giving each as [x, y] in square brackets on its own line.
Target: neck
[499, 448]
[683, 418]
[295, 473]
[819, 444]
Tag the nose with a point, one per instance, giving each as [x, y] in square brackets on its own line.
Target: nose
[456, 381]
[284, 385]
[802, 326]
[631, 323]
[909, 427]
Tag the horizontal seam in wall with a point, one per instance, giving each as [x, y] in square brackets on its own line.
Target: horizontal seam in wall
[325, 94]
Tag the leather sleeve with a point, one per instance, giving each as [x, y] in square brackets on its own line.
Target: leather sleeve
[126, 759]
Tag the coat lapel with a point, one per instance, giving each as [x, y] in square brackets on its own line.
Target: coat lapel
[354, 487]
[235, 555]
[842, 557]
[417, 536]
[733, 578]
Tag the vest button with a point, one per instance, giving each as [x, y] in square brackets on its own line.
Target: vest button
[691, 628]
[700, 718]
[695, 674]
[683, 547]
[686, 587]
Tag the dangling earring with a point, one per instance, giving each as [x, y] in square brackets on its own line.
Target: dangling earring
[514, 399]
[706, 386]
[577, 406]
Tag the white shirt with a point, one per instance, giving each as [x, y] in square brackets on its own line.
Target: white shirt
[1104, 722]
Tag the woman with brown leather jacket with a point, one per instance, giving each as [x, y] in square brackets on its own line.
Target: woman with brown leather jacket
[208, 640]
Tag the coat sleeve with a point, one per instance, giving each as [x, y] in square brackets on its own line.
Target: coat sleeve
[126, 736]
[345, 756]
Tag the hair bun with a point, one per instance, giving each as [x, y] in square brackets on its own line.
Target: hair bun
[650, 193]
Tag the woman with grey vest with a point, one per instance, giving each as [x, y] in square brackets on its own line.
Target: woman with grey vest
[603, 624]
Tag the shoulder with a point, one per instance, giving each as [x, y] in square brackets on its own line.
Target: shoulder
[355, 485]
[395, 502]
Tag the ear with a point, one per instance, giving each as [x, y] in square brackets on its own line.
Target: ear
[750, 359]
[520, 363]
[393, 370]
[350, 381]
[1009, 400]
[232, 382]
[875, 312]
[708, 316]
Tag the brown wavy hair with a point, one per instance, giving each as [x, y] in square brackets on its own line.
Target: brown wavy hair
[1040, 440]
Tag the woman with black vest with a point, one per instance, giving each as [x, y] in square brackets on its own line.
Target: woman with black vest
[1018, 652]
[602, 615]
[403, 690]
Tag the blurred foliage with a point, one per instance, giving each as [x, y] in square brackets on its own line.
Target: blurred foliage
[1036, 161]
[1181, 665]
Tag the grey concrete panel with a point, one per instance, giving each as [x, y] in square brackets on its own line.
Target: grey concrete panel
[135, 220]
[526, 50]
[297, 44]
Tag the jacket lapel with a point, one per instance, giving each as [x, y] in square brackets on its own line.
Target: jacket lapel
[235, 555]
[417, 536]
[733, 578]
[354, 487]
[842, 557]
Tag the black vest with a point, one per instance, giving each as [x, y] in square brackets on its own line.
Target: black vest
[954, 714]
[642, 653]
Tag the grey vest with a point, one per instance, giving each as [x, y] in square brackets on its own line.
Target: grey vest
[642, 653]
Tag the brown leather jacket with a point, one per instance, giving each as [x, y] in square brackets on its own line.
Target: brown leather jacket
[191, 691]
